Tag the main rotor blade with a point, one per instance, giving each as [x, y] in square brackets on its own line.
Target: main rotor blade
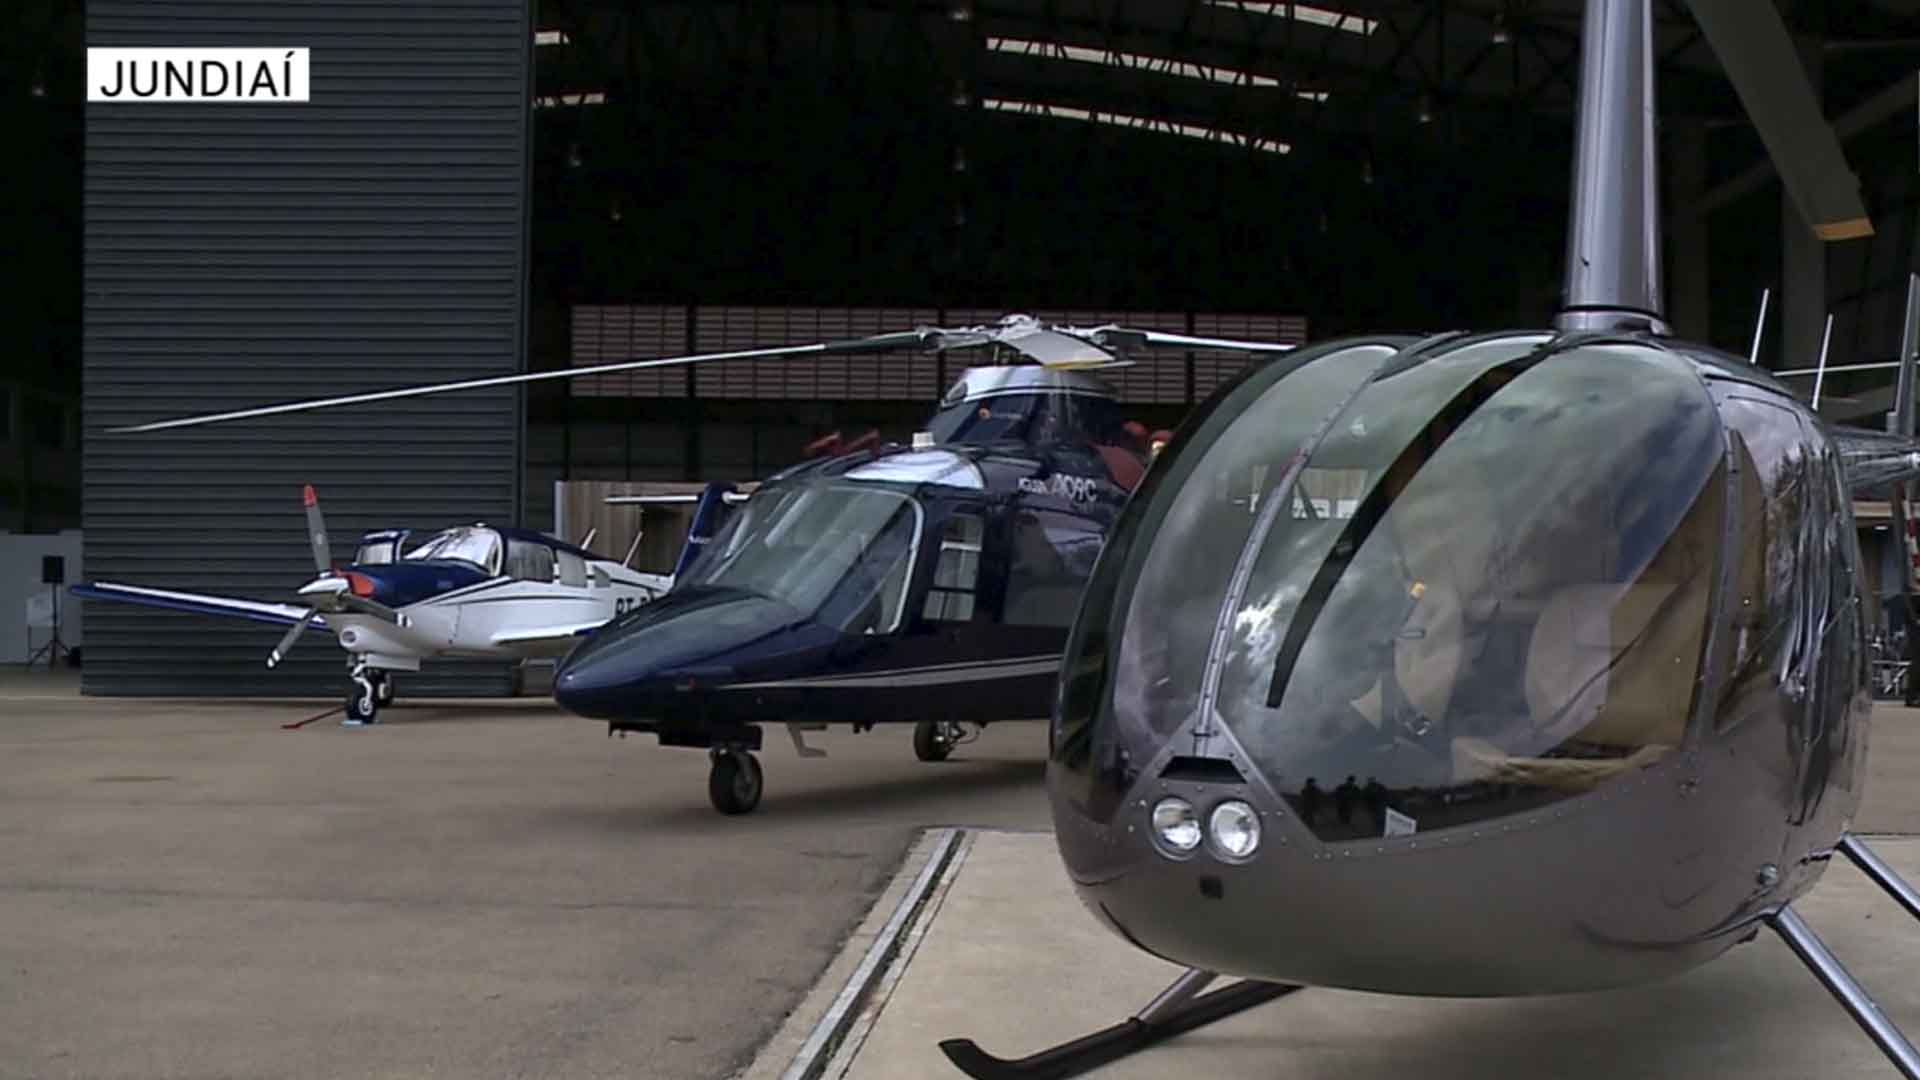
[1766, 71]
[279, 652]
[317, 531]
[876, 343]
[1122, 336]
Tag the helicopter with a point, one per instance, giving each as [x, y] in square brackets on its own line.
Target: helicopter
[1568, 692]
[930, 583]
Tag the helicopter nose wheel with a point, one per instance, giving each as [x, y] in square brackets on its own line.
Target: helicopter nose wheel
[933, 740]
[735, 782]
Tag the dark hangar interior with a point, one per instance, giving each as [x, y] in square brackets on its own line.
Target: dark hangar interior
[757, 172]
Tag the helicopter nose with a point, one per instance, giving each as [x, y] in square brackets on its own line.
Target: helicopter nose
[681, 642]
[597, 686]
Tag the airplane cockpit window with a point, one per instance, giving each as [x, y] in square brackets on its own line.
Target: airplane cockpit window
[374, 553]
[951, 594]
[839, 553]
[467, 543]
[573, 569]
[1053, 555]
[528, 560]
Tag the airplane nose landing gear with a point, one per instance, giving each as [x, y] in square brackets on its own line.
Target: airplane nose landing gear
[735, 783]
[367, 690]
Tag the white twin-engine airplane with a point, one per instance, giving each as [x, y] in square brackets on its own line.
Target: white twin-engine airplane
[471, 591]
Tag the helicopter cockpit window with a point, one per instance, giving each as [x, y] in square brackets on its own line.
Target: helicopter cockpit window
[573, 569]
[467, 543]
[839, 553]
[1145, 623]
[529, 561]
[950, 596]
[1513, 613]
[1053, 554]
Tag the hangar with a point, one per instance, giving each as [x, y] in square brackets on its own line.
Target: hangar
[488, 186]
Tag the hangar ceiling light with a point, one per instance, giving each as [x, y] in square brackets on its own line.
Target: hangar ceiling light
[1140, 123]
[1140, 62]
[1307, 13]
[550, 37]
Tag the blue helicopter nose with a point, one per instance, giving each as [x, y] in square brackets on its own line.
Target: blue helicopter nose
[684, 641]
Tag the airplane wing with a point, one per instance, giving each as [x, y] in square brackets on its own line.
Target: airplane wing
[546, 633]
[198, 603]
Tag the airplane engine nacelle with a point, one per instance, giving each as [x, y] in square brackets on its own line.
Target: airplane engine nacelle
[1502, 664]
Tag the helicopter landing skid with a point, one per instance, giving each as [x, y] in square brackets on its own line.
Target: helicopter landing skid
[1834, 975]
[1180, 1008]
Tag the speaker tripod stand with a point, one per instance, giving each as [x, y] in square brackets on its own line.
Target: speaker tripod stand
[55, 650]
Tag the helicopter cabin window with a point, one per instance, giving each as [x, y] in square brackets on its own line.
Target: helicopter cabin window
[529, 561]
[573, 569]
[1777, 477]
[950, 596]
[1053, 555]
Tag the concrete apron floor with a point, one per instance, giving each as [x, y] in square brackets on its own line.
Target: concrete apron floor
[1004, 954]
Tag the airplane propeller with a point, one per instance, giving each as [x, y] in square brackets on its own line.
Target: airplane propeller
[317, 532]
[279, 652]
[328, 592]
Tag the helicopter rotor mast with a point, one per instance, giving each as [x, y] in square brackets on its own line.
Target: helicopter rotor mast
[1613, 276]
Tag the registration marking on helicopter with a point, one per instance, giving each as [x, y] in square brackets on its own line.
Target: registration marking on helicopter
[929, 675]
[1072, 488]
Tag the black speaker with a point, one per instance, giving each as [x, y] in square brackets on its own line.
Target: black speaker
[53, 570]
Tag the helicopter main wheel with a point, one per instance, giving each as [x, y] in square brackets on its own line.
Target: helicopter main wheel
[933, 740]
[383, 688]
[735, 782]
[363, 698]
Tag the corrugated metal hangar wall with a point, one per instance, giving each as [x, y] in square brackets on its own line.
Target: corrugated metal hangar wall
[241, 254]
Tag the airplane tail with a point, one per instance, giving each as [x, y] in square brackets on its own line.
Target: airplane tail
[709, 513]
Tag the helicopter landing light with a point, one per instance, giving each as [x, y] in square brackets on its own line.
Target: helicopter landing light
[1176, 825]
[1234, 828]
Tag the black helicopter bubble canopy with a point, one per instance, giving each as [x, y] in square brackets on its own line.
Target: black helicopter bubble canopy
[1483, 589]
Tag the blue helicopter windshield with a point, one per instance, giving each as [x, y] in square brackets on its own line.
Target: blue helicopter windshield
[836, 552]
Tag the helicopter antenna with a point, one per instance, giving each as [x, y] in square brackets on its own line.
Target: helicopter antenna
[1900, 420]
[1820, 374]
[1613, 236]
[1759, 328]
[638, 533]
